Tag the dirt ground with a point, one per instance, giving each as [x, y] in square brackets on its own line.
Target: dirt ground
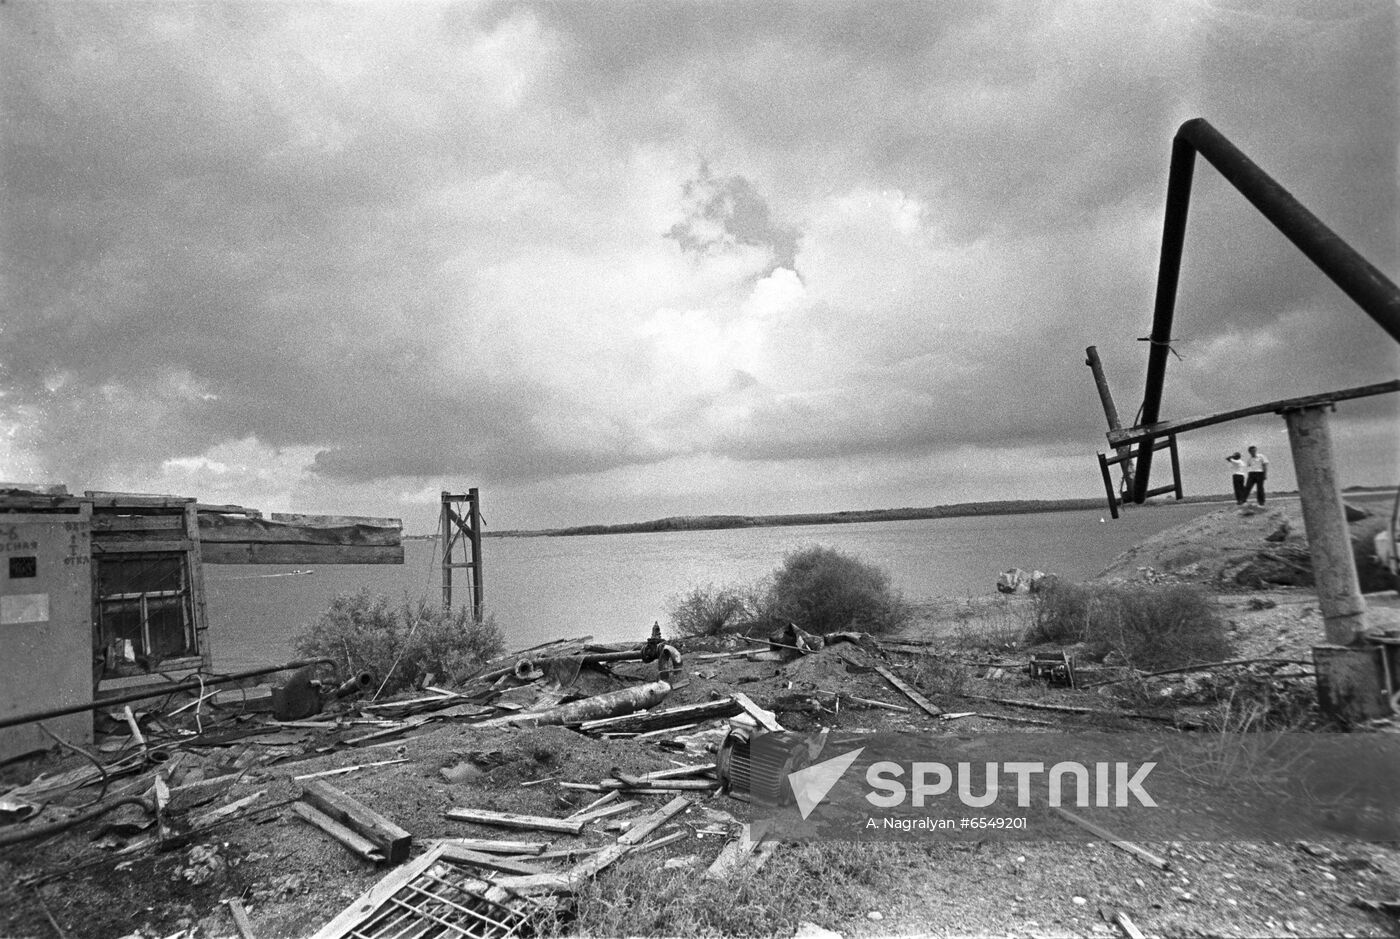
[292, 878]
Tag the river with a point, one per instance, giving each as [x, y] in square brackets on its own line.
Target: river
[614, 587]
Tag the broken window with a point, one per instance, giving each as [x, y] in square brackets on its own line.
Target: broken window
[144, 614]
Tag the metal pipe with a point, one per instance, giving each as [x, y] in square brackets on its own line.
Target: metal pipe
[188, 685]
[1375, 293]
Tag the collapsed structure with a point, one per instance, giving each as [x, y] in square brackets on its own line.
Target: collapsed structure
[102, 594]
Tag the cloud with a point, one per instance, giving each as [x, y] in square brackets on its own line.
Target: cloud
[572, 251]
[724, 213]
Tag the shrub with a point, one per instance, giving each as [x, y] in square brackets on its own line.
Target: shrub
[708, 611]
[1149, 626]
[823, 590]
[399, 645]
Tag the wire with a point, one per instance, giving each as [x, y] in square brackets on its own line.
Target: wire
[81, 752]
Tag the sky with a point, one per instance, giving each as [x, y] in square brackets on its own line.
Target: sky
[618, 261]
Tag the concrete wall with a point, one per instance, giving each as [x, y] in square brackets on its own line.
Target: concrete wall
[45, 625]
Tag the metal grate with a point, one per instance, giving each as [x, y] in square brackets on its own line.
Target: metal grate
[441, 900]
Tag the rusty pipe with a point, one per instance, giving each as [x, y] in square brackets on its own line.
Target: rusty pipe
[1360, 280]
[189, 685]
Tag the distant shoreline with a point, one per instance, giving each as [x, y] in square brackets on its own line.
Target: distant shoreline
[956, 510]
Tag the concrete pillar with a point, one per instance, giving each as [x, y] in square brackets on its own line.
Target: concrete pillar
[1329, 540]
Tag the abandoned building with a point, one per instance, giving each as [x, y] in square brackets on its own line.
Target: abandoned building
[102, 594]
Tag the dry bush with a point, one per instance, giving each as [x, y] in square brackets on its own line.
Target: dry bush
[399, 644]
[941, 676]
[708, 611]
[996, 626]
[823, 590]
[1150, 627]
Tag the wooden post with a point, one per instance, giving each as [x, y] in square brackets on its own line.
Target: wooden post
[474, 528]
[1110, 411]
[445, 539]
[1329, 542]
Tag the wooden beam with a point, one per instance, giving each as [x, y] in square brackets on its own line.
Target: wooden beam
[649, 823]
[225, 553]
[909, 692]
[394, 841]
[342, 833]
[493, 846]
[512, 820]
[1135, 850]
[493, 862]
[321, 529]
[334, 521]
[100, 546]
[1135, 435]
[765, 719]
[102, 521]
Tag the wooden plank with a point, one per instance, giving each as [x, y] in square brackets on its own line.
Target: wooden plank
[496, 846]
[661, 785]
[1135, 435]
[357, 844]
[1129, 928]
[908, 691]
[663, 841]
[680, 772]
[233, 808]
[243, 530]
[394, 841]
[103, 522]
[347, 769]
[244, 553]
[335, 521]
[766, 719]
[100, 546]
[607, 811]
[649, 823]
[1135, 850]
[595, 804]
[227, 509]
[512, 820]
[493, 862]
[732, 856]
[102, 499]
[240, 920]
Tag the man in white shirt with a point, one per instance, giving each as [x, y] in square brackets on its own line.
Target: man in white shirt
[1237, 472]
[1258, 466]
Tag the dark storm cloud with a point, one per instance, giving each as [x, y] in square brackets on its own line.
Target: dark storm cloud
[726, 212]
[420, 240]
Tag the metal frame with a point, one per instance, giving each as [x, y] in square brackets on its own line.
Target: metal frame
[1357, 277]
[467, 531]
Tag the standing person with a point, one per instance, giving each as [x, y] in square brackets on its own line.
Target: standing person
[1237, 475]
[1258, 466]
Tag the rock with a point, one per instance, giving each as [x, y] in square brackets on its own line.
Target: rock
[813, 931]
[461, 772]
[1014, 580]
[875, 916]
[1078, 901]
